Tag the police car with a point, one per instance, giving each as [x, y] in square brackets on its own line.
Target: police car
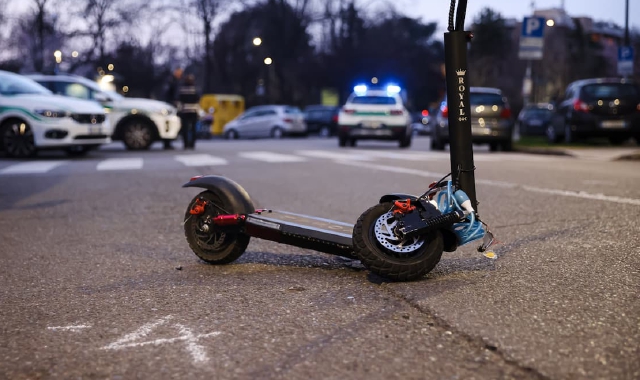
[32, 118]
[374, 114]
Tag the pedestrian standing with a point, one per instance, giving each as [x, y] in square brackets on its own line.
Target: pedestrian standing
[189, 100]
[171, 97]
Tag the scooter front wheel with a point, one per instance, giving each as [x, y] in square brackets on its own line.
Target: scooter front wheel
[381, 251]
[206, 240]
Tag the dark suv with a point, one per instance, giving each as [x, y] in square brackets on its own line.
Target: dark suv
[597, 108]
[491, 120]
[322, 120]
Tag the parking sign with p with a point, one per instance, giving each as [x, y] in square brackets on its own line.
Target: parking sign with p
[532, 38]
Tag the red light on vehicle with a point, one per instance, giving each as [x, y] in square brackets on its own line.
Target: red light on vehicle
[288, 120]
[397, 112]
[196, 177]
[425, 113]
[349, 111]
[335, 118]
[580, 106]
[445, 111]
[506, 113]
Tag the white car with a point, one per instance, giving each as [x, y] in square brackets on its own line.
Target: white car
[267, 121]
[32, 118]
[136, 122]
[374, 114]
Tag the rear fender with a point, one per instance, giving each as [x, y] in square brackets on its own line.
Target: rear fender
[229, 191]
[396, 196]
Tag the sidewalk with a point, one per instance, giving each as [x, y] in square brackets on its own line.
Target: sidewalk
[597, 154]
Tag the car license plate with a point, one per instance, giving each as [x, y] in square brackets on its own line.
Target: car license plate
[613, 124]
[371, 124]
[379, 132]
[95, 130]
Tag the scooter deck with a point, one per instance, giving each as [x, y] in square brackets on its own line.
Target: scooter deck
[304, 231]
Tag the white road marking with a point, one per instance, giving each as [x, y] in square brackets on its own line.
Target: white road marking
[133, 163]
[200, 160]
[69, 328]
[196, 350]
[332, 155]
[31, 167]
[565, 193]
[272, 157]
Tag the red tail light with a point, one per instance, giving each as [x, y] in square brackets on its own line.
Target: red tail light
[195, 177]
[397, 112]
[288, 120]
[335, 118]
[445, 111]
[425, 113]
[349, 111]
[580, 106]
[506, 113]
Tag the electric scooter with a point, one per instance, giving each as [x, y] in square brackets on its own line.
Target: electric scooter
[401, 238]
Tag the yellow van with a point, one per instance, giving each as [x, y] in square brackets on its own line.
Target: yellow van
[222, 108]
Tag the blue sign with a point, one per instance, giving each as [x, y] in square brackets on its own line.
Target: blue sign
[625, 60]
[532, 38]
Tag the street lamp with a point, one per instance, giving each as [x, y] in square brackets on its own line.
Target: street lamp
[257, 41]
[75, 54]
[268, 61]
[58, 55]
[550, 23]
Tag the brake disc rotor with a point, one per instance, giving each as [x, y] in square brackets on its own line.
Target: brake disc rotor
[383, 230]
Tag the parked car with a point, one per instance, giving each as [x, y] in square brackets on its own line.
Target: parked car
[374, 114]
[491, 120]
[322, 120]
[421, 122]
[136, 122]
[32, 119]
[274, 121]
[534, 119]
[599, 107]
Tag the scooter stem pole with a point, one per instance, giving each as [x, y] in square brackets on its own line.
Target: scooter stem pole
[461, 149]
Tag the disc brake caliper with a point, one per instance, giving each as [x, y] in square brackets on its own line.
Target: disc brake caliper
[403, 207]
[198, 207]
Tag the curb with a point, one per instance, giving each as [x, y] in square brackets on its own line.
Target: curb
[544, 151]
[629, 157]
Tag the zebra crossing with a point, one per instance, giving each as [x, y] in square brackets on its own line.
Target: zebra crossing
[125, 164]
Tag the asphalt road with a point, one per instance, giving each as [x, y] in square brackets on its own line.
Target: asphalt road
[97, 280]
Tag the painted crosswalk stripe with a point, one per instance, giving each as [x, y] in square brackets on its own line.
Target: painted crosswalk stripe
[120, 164]
[335, 155]
[272, 157]
[31, 167]
[200, 160]
[420, 156]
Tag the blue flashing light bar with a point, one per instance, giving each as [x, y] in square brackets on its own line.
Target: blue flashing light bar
[361, 88]
[393, 89]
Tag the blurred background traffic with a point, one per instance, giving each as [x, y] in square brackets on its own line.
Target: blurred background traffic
[299, 62]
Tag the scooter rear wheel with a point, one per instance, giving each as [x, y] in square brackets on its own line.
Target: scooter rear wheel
[210, 243]
[382, 252]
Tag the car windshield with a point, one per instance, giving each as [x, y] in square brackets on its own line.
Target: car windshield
[480, 98]
[373, 100]
[13, 84]
[292, 110]
[609, 91]
[538, 113]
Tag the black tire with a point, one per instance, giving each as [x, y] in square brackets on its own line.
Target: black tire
[216, 247]
[506, 146]
[436, 143]
[325, 131]
[342, 141]
[552, 134]
[405, 142]
[277, 133]
[16, 139]
[138, 134]
[493, 147]
[231, 134]
[387, 263]
[353, 143]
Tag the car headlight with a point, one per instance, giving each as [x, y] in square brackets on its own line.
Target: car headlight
[52, 113]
